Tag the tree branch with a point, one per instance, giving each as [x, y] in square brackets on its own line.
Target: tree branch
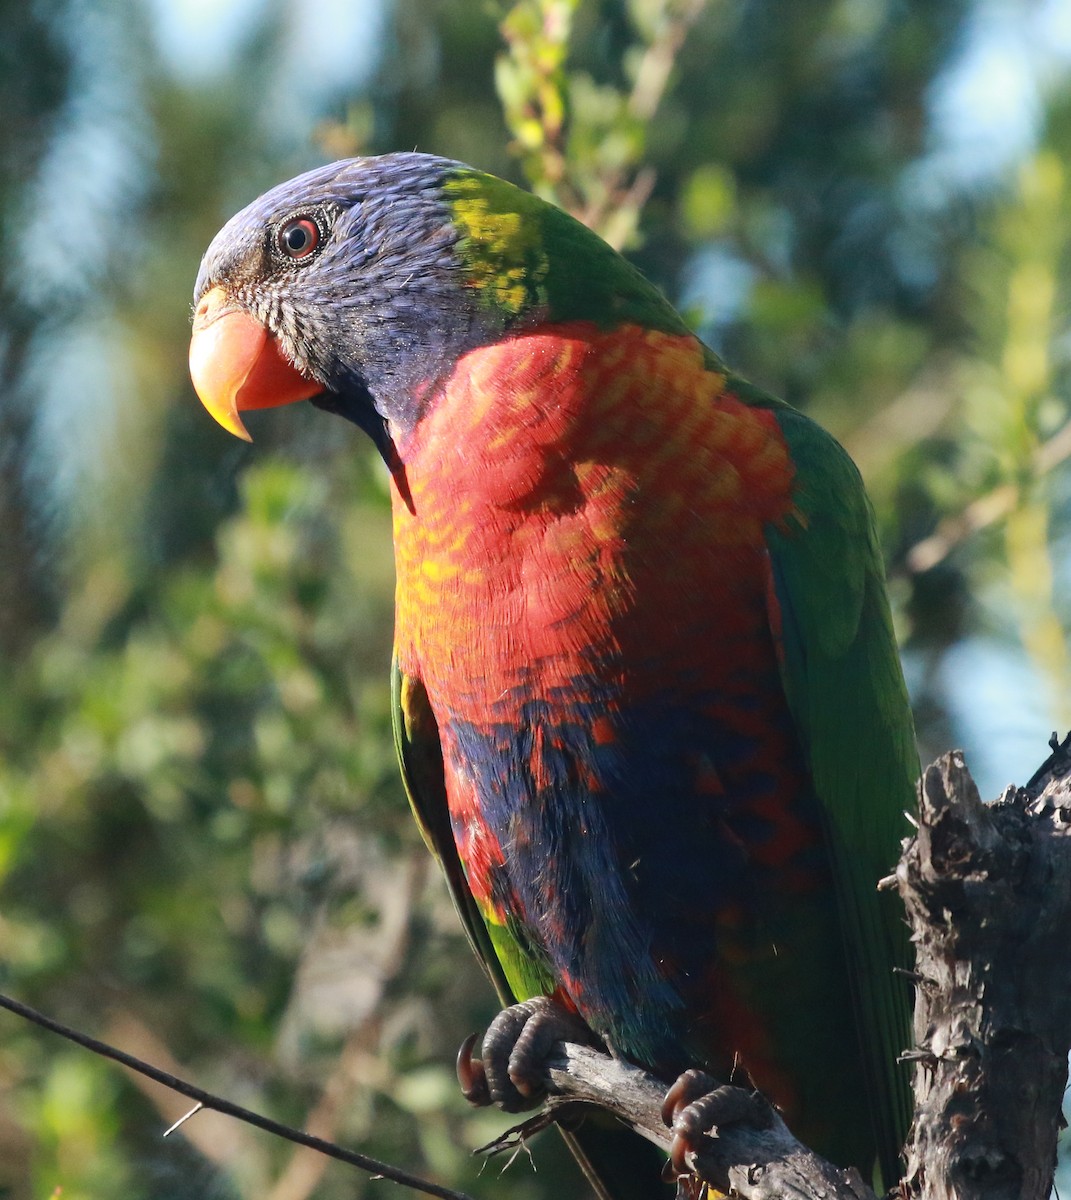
[756, 1164]
[985, 510]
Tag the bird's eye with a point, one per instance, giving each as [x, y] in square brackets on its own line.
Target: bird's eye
[299, 238]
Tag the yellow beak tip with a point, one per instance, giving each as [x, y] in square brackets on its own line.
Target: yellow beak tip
[233, 423]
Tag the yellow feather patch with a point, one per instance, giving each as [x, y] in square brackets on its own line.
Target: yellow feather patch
[501, 240]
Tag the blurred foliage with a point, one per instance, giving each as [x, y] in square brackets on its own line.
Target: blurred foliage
[205, 853]
[582, 143]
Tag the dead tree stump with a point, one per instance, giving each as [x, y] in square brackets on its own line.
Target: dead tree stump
[987, 889]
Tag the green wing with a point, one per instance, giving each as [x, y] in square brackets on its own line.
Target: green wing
[842, 677]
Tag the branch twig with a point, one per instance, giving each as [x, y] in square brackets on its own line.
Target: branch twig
[207, 1100]
[305, 1168]
[986, 509]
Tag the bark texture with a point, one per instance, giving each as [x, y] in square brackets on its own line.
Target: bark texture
[988, 894]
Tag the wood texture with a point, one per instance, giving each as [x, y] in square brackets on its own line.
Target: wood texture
[988, 894]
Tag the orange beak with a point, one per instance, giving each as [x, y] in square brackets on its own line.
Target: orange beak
[236, 364]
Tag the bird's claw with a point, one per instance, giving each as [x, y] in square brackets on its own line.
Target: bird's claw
[696, 1104]
[471, 1075]
[509, 1070]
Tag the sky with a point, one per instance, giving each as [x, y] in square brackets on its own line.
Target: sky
[984, 108]
[332, 43]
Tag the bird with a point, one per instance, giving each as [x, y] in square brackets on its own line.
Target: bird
[648, 705]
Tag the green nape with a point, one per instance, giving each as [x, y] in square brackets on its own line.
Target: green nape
[526, 257]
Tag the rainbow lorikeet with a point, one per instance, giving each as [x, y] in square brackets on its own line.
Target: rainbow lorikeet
[649, 709]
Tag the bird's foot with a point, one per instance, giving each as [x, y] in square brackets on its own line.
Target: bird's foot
[697, 1104]
[509, 1069]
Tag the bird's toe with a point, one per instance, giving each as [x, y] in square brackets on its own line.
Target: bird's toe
[509, 1070]
[697, 1105]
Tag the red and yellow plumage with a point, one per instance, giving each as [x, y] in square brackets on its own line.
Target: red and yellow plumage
[503, 534]
[517, 577]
